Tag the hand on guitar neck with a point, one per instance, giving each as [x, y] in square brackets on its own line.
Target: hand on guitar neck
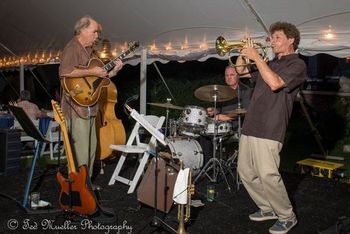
[118, 66]
[103, 73]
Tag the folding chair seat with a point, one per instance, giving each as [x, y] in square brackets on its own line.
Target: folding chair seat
[135, 145]
[52, 137]
[24, 136]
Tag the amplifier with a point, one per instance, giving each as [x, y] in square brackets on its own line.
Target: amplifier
[10, 151]
[167, 175]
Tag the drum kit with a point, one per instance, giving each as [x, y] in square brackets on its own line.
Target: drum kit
[193, 123]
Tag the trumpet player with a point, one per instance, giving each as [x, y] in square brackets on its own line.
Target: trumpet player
[266, 121]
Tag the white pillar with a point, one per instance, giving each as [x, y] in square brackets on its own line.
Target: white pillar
[143, 81]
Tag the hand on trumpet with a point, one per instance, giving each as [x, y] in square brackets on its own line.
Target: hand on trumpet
[249, 51]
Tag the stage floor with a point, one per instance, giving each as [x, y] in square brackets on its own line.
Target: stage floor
[318, 204]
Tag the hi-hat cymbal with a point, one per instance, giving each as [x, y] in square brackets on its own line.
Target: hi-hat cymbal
[210, 93]
[238, 111]
[165, 105]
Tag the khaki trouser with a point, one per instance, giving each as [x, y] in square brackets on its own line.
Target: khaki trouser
[83, 133]
[258, 164]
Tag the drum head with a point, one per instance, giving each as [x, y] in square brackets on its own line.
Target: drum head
[188, 151]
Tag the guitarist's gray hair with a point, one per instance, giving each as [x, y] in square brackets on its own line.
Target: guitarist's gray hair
[83, 22]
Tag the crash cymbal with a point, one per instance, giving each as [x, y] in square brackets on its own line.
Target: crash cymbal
[211, 92]
[165, 105]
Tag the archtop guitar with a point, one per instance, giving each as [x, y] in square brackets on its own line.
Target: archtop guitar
[85, 91]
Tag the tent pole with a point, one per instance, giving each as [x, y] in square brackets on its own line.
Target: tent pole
[257, 16]
[143, 81]
[21, 77]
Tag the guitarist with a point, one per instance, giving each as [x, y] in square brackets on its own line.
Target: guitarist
[81, 119]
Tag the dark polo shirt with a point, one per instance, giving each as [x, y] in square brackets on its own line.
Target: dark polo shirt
[269, 111]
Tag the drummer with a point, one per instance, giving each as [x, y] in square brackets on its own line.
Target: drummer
[226, 111]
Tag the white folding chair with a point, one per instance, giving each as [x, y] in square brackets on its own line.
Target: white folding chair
[52, 136]
[24, 136]
[134, 145]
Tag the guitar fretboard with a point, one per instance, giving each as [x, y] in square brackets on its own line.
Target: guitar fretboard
[109, 66]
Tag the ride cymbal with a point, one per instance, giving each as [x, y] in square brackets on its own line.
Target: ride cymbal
[165, 105]
[218, 93]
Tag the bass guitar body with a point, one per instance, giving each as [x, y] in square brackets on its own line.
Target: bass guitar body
[86, 91]
[76, 193]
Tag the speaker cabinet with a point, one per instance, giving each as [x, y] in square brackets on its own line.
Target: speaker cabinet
[167, 174]
[10, 151]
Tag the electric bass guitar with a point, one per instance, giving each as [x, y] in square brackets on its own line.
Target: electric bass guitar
[85, 91]
[76, 193]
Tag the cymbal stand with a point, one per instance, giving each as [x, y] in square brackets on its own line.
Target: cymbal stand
[168, 100]
[233, 160]
[214, 163]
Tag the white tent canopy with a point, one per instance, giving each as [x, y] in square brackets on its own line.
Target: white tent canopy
[170, 30]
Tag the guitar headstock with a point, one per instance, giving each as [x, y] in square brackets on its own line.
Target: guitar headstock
[57, 113]
[133, 45]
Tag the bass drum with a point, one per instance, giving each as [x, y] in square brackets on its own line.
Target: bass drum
[188, 151]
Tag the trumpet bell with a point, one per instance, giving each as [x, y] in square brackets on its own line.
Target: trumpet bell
[223, 47]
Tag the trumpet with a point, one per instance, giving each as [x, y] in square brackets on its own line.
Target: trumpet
[223, 47]
[184, 215]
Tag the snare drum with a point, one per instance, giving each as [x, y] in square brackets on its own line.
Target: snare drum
[193, 121]
[224, 127]
[188, 151]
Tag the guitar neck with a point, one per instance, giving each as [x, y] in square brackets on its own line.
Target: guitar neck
[58, 116]
[109, 66]
[68, 149]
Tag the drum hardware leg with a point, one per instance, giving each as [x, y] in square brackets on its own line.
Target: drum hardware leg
[232, 162]
[231, 165]
[214, 163]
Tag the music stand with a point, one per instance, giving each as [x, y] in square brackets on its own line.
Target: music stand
[156, 221]
[30, 129]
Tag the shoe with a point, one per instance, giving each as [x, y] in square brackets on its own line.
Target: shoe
[281, 227]
[261, 216]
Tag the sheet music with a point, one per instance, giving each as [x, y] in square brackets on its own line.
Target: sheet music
[158, 135]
